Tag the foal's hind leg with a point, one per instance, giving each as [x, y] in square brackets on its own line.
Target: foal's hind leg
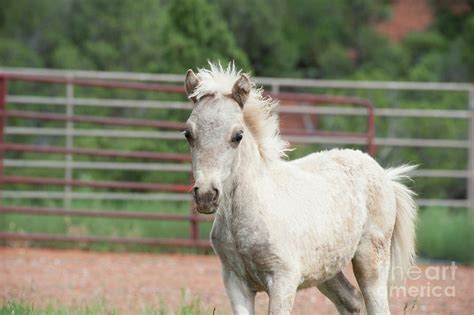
[371, 267]
[343, 294]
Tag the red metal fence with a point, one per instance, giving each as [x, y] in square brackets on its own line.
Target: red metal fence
[193, 218]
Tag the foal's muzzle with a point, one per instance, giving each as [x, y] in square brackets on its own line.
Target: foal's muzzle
[206, 200]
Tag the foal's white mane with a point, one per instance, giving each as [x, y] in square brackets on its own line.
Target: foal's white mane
[259, 115]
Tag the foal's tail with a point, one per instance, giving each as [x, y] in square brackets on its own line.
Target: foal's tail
[403, 238]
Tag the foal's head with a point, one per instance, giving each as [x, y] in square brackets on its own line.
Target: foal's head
[215, 130]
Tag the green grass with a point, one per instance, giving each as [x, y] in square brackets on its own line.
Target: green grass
[104, 226]
[15, 308]
[446, 234]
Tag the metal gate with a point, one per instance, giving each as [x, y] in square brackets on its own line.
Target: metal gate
[70, 81]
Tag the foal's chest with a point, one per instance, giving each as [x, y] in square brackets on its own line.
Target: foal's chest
[244, 250]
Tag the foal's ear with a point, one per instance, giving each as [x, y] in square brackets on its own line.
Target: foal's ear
[190, 84]
[241, 90]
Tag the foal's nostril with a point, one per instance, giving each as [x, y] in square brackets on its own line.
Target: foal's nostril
[195, 190]
[216, 194]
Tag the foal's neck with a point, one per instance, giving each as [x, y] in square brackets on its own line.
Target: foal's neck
[251, 165]
[247, 175]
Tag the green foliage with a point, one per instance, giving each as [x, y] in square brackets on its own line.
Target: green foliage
[379, 55]
[335, 62]
[16, 54]
[319, 39]
[446, 234]
[450, 21]
[319, 27]
[454, 20]
[150, 36]
[467, 45]
[260, 31]
[419, 44]
[200, 35]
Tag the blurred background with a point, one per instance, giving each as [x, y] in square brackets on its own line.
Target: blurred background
[412, 60]
[92, 109]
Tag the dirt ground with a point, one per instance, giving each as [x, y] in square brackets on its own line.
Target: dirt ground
[131, 282]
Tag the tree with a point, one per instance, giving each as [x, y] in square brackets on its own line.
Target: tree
[29, 41]
[259, 29]
[198, 34]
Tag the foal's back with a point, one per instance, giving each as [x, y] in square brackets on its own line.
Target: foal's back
[353, 162]
[362, 176]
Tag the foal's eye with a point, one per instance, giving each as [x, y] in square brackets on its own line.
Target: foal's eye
[188, 135]
[236, 137]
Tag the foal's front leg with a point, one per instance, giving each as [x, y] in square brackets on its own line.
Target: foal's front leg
[242, 298]
[282, 295]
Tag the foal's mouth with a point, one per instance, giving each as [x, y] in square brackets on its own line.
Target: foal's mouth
[207, 202]
[206, 209]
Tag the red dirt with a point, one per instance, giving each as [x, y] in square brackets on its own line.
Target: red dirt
[407, 16]
[130, 282]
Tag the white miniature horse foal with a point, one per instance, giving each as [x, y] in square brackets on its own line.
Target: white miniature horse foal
[281, 226]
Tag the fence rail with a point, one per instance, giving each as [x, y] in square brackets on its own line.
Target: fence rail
[168, 130]
[18, 236]
[101, 213]
[58, 195]
[166, 191]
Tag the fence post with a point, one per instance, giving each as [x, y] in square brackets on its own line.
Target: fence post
[68, 171]
[194, 232]
[194, 223]
[3, 102]
[470, 185]
[275, 88]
